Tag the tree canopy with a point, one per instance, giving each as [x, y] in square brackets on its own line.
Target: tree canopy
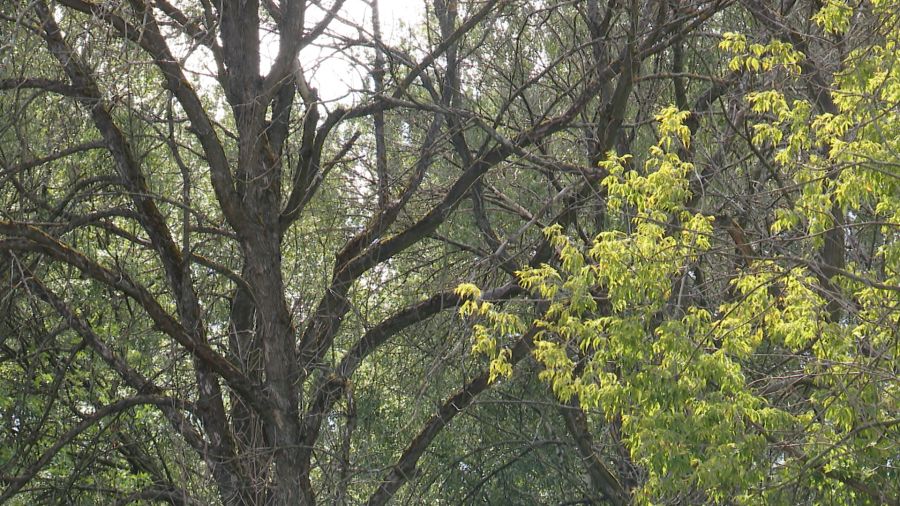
[516, 252]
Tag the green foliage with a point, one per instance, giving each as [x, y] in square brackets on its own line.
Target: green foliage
[684, 384]
[706, 300]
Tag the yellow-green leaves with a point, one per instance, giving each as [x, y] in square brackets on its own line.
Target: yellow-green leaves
[636, 269]
[664, 188]
[690, 383]
[756, 57]
[468, 291]
[489, 335]
[671, 127]
[834, 16]
[733, 42]
[601, 339]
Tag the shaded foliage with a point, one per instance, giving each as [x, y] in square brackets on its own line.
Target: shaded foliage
[221, 284]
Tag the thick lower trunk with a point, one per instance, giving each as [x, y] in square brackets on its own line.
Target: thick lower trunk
[274, 344]
[244, 351]
[292, 481]
[253, 346]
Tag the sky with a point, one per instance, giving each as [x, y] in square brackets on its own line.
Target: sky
[333, 75]
[337, 75]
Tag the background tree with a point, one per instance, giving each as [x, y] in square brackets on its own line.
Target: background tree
[223, 285]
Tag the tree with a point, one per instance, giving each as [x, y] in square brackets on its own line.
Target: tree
[219, 287]
[781, 388]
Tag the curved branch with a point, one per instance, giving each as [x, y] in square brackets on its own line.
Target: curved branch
[28, 238]
[15, 483]
[405, 467]
[37, 83]
[601, 477]
[332, 387]
[150, 39]
[30, 164]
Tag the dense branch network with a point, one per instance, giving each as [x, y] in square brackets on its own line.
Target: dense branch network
[251, 288]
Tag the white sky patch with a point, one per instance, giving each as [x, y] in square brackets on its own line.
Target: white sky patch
[333, 73]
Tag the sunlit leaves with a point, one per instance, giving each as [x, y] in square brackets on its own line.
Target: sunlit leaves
[681, 385]
[756, 57]
[834, 16]
[488, 337]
